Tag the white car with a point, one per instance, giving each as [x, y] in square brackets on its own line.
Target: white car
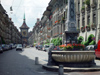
[45, 48]
[19, 47]
[90, 47]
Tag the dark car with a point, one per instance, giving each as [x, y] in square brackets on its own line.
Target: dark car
[3, 46]
[6, 48]
[1, 50]
[40, 47]
[36, 46]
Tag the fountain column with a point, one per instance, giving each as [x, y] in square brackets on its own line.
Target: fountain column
[71, 31]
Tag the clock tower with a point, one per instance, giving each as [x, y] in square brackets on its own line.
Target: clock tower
[24, 31]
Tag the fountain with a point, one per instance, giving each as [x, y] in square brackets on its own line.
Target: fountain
[71, 58]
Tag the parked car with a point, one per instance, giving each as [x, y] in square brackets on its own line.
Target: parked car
[7, 47]
[1, 50]
[45, 48]
[40, 47]
[3, 46]
[36, 46]
[19, 47]
[89, 47]
[97, 49]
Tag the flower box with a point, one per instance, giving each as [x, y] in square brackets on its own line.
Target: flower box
[40, 31]
[93, 5]
[60, 33]
[48, 28]
[93, 26]
[87, 28]
[48, 36]
[83, 29]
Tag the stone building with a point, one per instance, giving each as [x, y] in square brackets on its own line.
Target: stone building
[8, 32]
[87, 18]
[52, 23]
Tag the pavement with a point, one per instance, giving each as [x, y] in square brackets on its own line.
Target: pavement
[14, 62]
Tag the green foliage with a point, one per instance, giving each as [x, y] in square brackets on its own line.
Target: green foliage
[83, 8]
[80, 39]
[87, 2]
[2, 41]
[69, 47]
[86, 43]
[90, 38]
[47, 41]
[82, 43]
[92, 43]
[66, 1]
[56, 41]
[34, 41]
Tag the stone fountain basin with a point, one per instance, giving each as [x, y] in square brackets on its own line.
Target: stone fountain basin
[73, 56]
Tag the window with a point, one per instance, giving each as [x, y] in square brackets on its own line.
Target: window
[78, 6]
[83, 22]
[78, 24]
[88, 20]
[94, 18]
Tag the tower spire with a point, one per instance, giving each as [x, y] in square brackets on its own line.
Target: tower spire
[24, 16]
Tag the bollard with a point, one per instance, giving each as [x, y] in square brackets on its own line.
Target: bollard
[61, 70]
[36, 61]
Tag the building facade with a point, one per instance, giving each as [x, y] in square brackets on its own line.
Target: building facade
[8, 31]
[87, 18]
[52, 23]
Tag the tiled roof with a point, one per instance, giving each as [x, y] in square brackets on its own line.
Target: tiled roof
[24, 25]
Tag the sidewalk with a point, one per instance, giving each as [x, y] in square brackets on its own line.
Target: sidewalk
[90, 72]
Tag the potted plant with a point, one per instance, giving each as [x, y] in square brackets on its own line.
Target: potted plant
[63, 19]
[82, 28]
[93, 26]
[83, 9]
[93, 5]
[58, 21]
[87, 27]
[87, 2]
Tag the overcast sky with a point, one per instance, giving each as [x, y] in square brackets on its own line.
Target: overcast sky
[33, 9]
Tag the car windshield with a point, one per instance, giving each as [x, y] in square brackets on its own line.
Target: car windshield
[19, 45]
[46, 46]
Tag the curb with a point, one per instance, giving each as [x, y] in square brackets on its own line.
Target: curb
[71, 69]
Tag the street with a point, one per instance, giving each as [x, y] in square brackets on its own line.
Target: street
[14, 62]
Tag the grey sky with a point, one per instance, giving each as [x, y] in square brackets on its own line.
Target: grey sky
[33, 9]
